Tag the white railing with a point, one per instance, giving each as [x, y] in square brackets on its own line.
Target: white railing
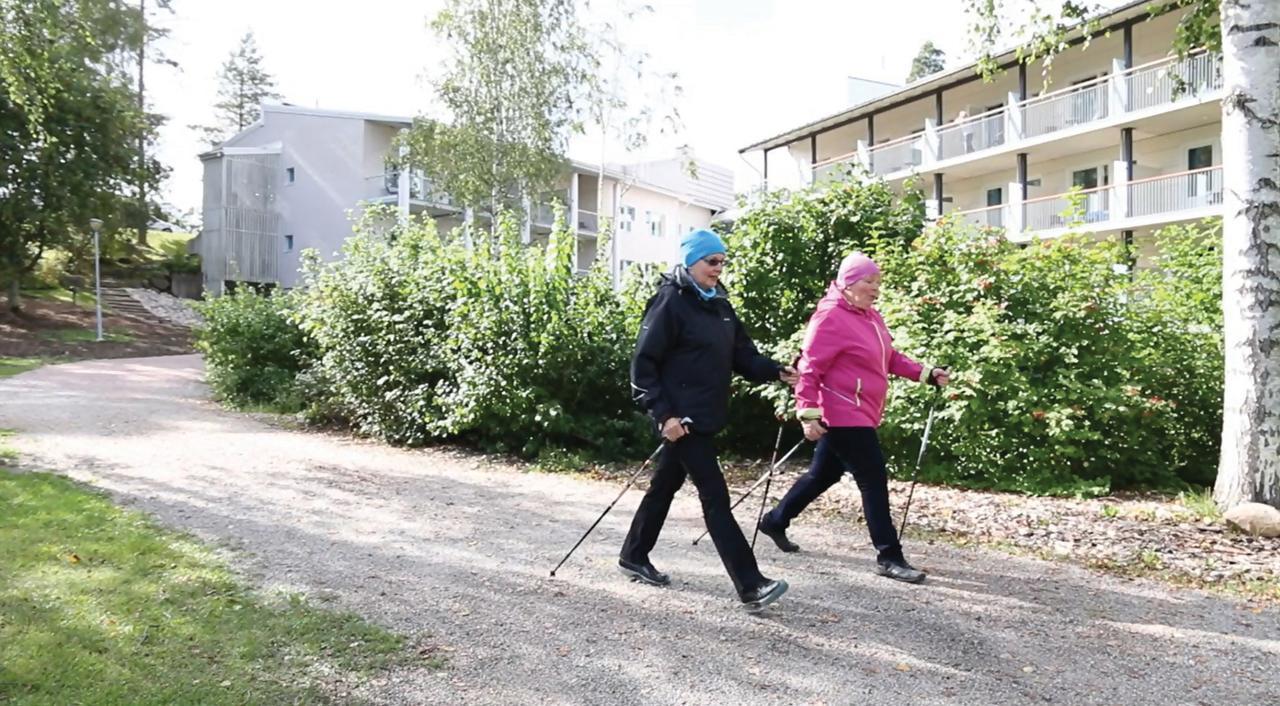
[1176, 192]
[989, 217]
[1170, 80]
[1078, 105]
[896, 155]
[979, 132]
[588, 222]
[834, 167]
[1161, 82]
[1071, 208]
[380, 186]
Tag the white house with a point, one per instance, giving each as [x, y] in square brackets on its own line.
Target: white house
[1125, 139]
[291, 180]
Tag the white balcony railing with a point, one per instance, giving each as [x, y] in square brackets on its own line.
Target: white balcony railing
[421, 189]
[972, 134]
[989, 217]
[896, 155]
[1071, 208]
[1078, 105]
[588, 222]
[1167, 81]
[1169, 193]
[1164, 82]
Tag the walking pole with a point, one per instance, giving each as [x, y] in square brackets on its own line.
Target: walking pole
[764, 499]
[759, 480]
[686, 421]
[915, 475]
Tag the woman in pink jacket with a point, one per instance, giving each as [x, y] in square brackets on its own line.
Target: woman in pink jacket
[844, 371]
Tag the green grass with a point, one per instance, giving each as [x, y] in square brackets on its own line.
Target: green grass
[13, 366]
[82, 335]
[162, 240]
[1200, 503]
[85, 300]
[99, 605]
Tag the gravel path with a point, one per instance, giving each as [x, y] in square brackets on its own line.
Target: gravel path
[454, 551]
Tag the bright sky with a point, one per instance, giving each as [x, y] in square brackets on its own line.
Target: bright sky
[749, 68]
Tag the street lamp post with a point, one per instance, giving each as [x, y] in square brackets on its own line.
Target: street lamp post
[95, 224]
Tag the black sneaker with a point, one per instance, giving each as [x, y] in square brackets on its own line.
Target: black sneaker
[757, 598]
[900, 570]
[779, 537]
[644, 573]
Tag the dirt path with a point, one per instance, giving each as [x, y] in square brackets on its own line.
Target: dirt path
[454, 552]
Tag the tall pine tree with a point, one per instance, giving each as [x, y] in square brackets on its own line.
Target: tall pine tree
[243, 84]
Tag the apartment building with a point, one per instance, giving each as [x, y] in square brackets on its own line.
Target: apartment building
[1125, 138]
[295, 178]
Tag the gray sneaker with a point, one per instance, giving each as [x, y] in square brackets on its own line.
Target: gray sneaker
[901, 571]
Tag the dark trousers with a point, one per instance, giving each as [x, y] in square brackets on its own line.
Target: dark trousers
[857, 449]
[693, 456]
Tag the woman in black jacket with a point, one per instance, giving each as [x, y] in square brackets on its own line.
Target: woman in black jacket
[691, 343]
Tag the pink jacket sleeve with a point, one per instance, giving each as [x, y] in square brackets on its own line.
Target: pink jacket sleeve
[821, 346]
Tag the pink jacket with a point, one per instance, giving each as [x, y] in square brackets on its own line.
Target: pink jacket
[845, 364]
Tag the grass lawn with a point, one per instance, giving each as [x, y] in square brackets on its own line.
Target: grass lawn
[98, 605]
[85, 335]
[13, 366]
[84, 300]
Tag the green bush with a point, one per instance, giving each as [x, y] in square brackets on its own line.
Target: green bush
[253, 351]
[1072, 376]
[422, 338]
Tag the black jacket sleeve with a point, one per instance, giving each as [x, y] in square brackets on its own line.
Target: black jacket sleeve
[658, 333]
[747, 360]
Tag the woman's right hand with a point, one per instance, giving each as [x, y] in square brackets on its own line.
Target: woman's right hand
[673, 429]
[813, 429]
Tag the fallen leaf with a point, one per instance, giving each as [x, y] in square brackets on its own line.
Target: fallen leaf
[903, 667]
[73, 558]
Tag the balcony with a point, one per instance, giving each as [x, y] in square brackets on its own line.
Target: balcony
[1151, 201]
[897, 155]
[382, 187]
[1072, 208]
[973, 134]
[989, 217]
[1106, 101]
[1171, 193]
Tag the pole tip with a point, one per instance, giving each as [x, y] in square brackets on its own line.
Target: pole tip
[553, 573]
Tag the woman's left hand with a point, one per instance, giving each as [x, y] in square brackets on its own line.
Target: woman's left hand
[940, 376]
[789, 375]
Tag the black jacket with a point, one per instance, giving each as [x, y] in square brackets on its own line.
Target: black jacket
[688, 350]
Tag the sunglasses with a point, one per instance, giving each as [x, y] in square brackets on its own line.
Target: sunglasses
[715, 261]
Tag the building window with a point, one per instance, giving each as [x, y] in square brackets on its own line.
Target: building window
[995, 196]
[288, 175]
[1199, 157]
[288, 243]
[657, 223]
[626, 217]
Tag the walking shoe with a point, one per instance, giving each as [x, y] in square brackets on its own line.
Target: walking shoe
[757, 598]
[779, 536]
[644, 573]
[900, 570]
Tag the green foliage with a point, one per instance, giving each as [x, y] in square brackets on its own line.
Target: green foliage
[70, 123]
[243, 85]
[1071, 377]
[422, 338]
[253, 351]
[929, 60]
[513, 87]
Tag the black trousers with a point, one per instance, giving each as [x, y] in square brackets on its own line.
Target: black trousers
[858, 449]
[694, 456]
